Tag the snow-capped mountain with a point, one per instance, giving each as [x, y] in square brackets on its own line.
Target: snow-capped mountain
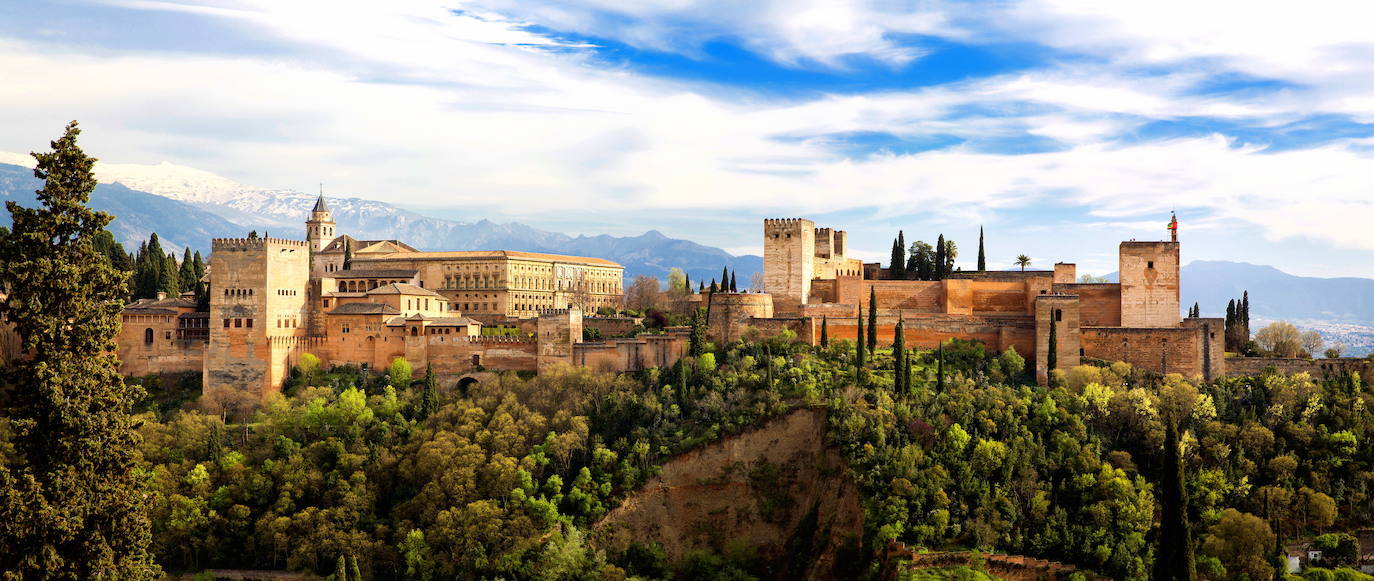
[206, 205]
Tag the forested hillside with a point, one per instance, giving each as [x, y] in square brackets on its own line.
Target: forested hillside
[507, 478]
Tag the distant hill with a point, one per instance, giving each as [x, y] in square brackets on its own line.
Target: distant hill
[137, 214]
[188, 207]
[1275, 294]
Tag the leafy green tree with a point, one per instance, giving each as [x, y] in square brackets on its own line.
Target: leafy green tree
[921, 261]
[418, 558]
[1022, 261]
[1338, 550]
[696, 342]
[982, 257]
[429, 400]
[73, 504]
[400, 372]
[1241, 541]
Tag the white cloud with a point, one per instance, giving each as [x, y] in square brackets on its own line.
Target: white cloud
[413, 103]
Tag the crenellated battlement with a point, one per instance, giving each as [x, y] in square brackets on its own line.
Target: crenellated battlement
[554, 312]
[253, 243]
[498, 339]
[787, 223]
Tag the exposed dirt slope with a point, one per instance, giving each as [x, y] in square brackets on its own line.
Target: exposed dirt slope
[777, 488]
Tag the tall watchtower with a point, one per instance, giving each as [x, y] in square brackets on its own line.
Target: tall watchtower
[257, 311]
[319, 229]
[789, 252]
[1149, 284]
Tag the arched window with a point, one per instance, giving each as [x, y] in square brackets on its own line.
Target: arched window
[148, 335]
[414, 332]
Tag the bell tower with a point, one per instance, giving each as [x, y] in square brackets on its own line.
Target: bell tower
[319, 229]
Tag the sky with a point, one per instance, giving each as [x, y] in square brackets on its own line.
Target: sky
[1060, 127]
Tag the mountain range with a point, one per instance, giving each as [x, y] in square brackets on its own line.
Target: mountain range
[187, 207]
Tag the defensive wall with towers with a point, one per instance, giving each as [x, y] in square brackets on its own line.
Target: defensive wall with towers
[809, 279]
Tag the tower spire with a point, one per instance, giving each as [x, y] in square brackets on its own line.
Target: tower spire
[1173, 227]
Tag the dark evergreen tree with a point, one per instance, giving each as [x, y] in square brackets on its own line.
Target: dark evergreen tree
[733, 288]
[429, 399]
[982, 256]
[687, 282]
[859, 341]
[899, 375]
[348, 254]
[1174, 560]
[1245, 317]
[202, 297]
[724, 279]
[896, 266]
[940, 271]
[214, 443]
[354, 573]
[186, 276]
[199, 265]
[714, 288]
[171, 276]
[825, 331]
[696, 342]
[1052, 352]
[701, 287]
[872, 320]
[74, 503]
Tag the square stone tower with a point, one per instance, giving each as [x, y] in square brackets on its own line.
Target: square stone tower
[258, 294]
[1149, 284]
[789, 251]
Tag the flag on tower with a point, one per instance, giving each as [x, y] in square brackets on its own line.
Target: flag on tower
[1173, 222]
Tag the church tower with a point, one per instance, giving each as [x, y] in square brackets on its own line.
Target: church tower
[319, 229]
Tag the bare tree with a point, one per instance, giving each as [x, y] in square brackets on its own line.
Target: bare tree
[643, 293]
[756, 282]
[1312, 342]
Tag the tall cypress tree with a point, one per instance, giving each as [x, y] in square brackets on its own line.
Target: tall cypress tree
[825, 331]
[429, 399]
[348, 254]
[187, 275]
[199, 265]
[1229, 333]
[1052, 356]
[1245, 317]
[896, 266]
[982, 256]
[940, 368]
[72, 505]
[872, 320]
[940, 270]
[687, 282]
[1174, 561]
[733, 288]
[724, 279]
[899, 375]
[859, 340]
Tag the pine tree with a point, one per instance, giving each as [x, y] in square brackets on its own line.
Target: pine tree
[73, 504]
[982, 256]
[872, 320]
[940, 270]
[701, 287]
[202, 298]
[825, 332]
[714, 288]
[171, 276]
[733, 288]
[724, 279]
[187, 275]
[1245, 317]
[348, 254]
[1175, 561]
[687, 282]
[214, 444]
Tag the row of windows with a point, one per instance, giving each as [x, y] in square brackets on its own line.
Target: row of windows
[285, 323]
[287, 292]
[238, 292]
[238, 323]
[354, 286]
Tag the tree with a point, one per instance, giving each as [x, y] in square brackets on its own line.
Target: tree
[418, 558]
[1174, 560]
[348, 254]
[429, 400]
[922, 261]
[733, 287]
[1022, 261]
[72, 503]
[899, 374]
[1052, 352]
[825, 332]
[872, 319]
[199, 264]
[677, 281]
[1240, 541]
[1312, 342]
[1280, 338]
[187, 275]
[859, 341]
[340, 570]
[951, 253]
[982, 258]
[724, 278]
[1338, 550]
[940, 258]
[399, 372]
[696, 344]
[687, 283]
[756, 282]
[940, 367]
[896, 266]
[1089, 278]
[643, 293]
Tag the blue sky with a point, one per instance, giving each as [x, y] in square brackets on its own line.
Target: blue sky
[1060, 126]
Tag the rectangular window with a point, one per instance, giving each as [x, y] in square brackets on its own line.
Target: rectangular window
[1150, 264]
[238, 323]
[250, 323]
[226, 323]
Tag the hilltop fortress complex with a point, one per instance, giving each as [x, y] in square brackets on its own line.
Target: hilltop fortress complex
[367, 302]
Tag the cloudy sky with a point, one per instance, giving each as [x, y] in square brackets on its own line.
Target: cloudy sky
[1060, 126]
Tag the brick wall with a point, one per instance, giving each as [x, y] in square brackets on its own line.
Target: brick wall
[1149, 284]
[1317, 368]
[1099, 304]
[1064, 310]
[1162, 350]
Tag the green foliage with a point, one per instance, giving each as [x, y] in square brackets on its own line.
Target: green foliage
[399, 372]
[73, 503]
[1338, 549]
